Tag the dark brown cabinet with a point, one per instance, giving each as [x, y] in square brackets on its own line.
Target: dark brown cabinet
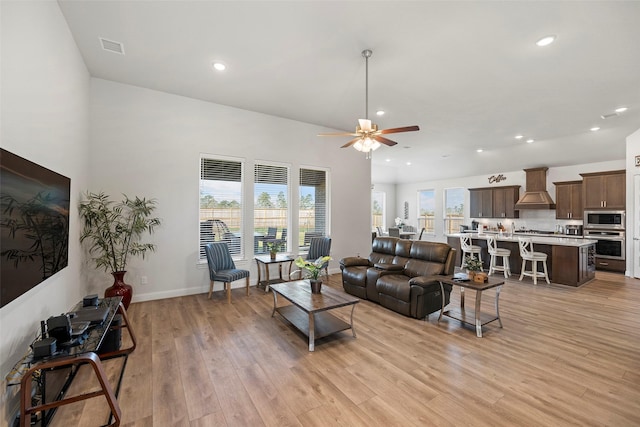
[604, 190]
[569, 200]
[494, 202]
[481, 203]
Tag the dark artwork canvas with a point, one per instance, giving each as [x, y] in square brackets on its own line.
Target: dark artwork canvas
[34, 225]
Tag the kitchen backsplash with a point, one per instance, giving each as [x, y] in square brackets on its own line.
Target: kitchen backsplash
[531, 219]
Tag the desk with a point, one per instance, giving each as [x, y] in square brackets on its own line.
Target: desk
[29, 370]
[263, 262]
[471, 317]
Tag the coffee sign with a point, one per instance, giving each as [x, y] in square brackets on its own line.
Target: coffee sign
[494, 179]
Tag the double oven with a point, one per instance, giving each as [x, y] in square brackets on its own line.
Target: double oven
[608, 229]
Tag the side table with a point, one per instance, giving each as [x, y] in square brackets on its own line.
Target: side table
[263, 262]
[471, 317]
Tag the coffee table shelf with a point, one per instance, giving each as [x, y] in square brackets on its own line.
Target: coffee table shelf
[309, 312]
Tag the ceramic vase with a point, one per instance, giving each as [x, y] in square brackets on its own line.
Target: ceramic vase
[119, 288]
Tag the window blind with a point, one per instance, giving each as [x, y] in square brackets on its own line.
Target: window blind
[313, 212]
[271, 205]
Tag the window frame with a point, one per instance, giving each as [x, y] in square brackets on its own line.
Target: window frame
[242, 163]
[327, 231]
[288, 197]
[383, 220]
[420, 225]
[445, 219]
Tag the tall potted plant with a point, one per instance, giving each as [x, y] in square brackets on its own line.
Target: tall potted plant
[113, 231]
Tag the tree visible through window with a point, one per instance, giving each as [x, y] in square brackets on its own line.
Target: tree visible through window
[220, 216]
[271, 207]
[313, 211]
[453, 209]
[378, 209]
[426, 210]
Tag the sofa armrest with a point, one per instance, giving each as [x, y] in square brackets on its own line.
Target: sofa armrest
[389, 267]
[354, 261]
[423, 281]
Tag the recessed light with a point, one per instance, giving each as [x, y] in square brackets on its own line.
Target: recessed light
[479, 150]
[387, 160]
[546, 41]
[219, 66]
[621, 109]
[519, 136]
[380, 113]
[529, 141]
[408, 163]
[594, 129]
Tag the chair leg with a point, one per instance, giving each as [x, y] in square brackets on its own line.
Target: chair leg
[507, 267]
[210, 288]
[546, 275]
[534, 270]
[227, 286]
[524, 264]
[247, 286]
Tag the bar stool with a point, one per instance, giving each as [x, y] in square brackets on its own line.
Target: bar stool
[467, 248]
[527, 254]
[496, 252]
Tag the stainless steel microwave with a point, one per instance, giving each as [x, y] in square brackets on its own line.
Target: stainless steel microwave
[604, 220]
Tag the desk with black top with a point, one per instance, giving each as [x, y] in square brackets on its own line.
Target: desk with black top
[90, 349]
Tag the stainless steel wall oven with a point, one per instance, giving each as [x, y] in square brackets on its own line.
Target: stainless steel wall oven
[610, 243]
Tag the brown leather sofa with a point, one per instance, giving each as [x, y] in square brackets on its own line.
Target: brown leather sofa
[394, 275]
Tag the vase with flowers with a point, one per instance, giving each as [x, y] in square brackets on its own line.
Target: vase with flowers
[473, 265]
[399, 222]
[274, 246]
[312, 270]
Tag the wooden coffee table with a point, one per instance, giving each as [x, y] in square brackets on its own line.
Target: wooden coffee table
[471, 317]
[309, 312]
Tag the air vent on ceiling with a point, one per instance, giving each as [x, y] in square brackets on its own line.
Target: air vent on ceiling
[111, 46]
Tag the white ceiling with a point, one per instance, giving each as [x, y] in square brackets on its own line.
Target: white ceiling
[468, 73]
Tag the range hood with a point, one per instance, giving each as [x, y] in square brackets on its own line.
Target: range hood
[535, 195]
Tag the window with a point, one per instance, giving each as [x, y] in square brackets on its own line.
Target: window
[313, 211]
[453, 209]
[271, 205]
[378, 200]
[220, 216]
[426, 210]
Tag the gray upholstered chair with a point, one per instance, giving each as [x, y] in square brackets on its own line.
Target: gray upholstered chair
[222, 268]
[319, 247]
[394, 232]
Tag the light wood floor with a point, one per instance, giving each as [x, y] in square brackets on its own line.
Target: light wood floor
[566, 356]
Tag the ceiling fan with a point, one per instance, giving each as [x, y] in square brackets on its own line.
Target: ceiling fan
[368, 136]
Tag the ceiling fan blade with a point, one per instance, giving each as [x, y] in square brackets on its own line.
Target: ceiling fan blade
[397, 130]
[385, 141]
[350, 143]
[338, 134]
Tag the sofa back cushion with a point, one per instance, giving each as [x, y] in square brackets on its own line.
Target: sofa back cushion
[383, 250]
[403, 251]
[427, 258]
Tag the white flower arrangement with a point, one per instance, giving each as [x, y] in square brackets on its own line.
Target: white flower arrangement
[399, 222]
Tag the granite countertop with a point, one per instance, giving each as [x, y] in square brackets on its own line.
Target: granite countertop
[535, 238]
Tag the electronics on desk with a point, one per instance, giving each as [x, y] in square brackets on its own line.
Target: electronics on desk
[90, 301]
[44, 347]
[59, 327]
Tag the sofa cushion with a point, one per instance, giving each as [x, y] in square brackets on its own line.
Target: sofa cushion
[394, 285]
[356, 275]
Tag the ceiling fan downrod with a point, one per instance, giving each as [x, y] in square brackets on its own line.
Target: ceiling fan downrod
[367, 54]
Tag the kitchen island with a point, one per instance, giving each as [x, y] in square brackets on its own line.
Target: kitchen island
[570, 261]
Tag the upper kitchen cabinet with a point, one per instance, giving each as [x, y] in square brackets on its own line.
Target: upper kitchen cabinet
[604, 190]
[494, 202]
[569, 200]
[504, 201]
[481, 202]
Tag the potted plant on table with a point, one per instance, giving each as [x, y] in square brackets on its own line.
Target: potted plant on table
[473, 265]
[274, 246]
[113, 231]
[312, 271]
